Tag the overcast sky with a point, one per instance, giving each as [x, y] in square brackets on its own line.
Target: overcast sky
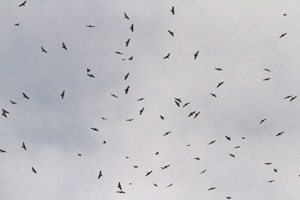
[240, 37]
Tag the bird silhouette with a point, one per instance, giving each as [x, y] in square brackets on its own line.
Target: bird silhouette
[196, 55]
[131, 58]
[148, 173]
[129, 120]
[167, 56]
[126, 76]
[119, 186]
[4, 112]
[237, 147]
[219, 84]
[266, 79]
[267, 70]
[131, 28]
[177, 103]
[171, 33]
[287, 97]
[12, 102]
[62, 94]
[191, 113]
[228, 138]
[141, 99]
[212, 142]
[94, 129]
[232, 155]
[155, 184]
[126, 16]
[127, 42]
[43, 50]
[196, 114]
[271, 181]
[212, 188]
[203, 171]
[24, 146]
[167, 133]
[162, 117]
[118, 52]
[185, 104]
[25, 96]
[64, 46]
[90, 26]
[278, 134]
[100, 174]
[121, 192]
[91, 75]
[218, 69]
[33, 170]
[114, 95]
[165, 167]
[170, 185]
[293, 98]
[268, 163]
[275, 170]
[197, 158]
[141, 111]
[214, 95]
[282, 35]
[173, 10]
[178, 99]
[126, 90]
[22, 4]
[262, 121]
[17, 24]
[2, 151]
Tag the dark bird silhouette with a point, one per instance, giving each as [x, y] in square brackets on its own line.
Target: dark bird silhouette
[148, 173]
[178, 99]
[91, 75]
[162, 117]
[126, 90]
[155, 184]
[127, 42]
[170, 185]
[271, 181]
[212, 188]
[25, 96]
[191, 113]
[121, 192]
[119, 186]
[165, 167]
[267, 70]
[266, 79]
[131, 28]
[197, 158]
[90, 26]
[2, 151]
[171, 33]
[185, 104]
[293, 98]
[268, 163]
[129, 120]
[118, 52]
[131, 58]
[104, 142]
[237, 147]
[4, 112]
[173, 10]
[22, 4]
[284, 14]
[114, 95]
[12, 102]
[282, 35]
[100, 174]
[228, 138]
[135, 166]
[278, 134]
[218, 69]
[141, 111]
[275, 170]
[79, 154]
[167, 133]
[33, 170]
[167, 56]
[64, 46]
[104, 118]
[24, 146]
[203, 171]
[88, 70]
[228, 197]
[287, 97]
[62, 94]
[212, 142]
[141, 99]
[262, 121]
[17, 24]
[156, 153]
[232, 155]
[126, 76]
[126, 16]
[94, 129]
[219, 84]
[196, 55]
[196, 115]
[214, 95]
[177, 103]
[43, 50]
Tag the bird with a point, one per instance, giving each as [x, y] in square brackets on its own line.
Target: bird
[162, 117]
[171, 33]
[197, 158]
[2, 151]
[25, 96]
[267, 70]
[88, 70]
[148, 173]
[170, 185]
[100, 174]
[131, 28]
[177, 103]
[196, 55]
[104, 118]
[282, 35]
[114, 95]
[178, 99]
[212, 188]
[4, 112]
[79, 154]
[218, 69]
[284, 14]
[191, 113]
[287, 97]
[266, 79]
[62, 94]
[173, 10]
[90, 26]
[126, 90]
[131, 58]
[129, 120]
[212, 142]
[214, 95]
[121, 192]
[293, 98]
[126, 16]
[185, 104]
[228, 197]
[23, 146]
[275, 170]
[237, 147]
[91, 75]
[127, 42]
[12, 102]
[268, 163]
[17, 24]
[165, 167]
[141, 99]
[262, 120]
[155, 184]
[142, 110]
[196, 115]
[203, 171]
[135, 166]
[94, 129]
[118, 52]
[119, 186]
[219, 84]
[167, 56]
[22, 4]
[126, 76]
[278, 134]
[157, 153]
[228, 138]
[33, 170]
[43, 50]
[167, 133]
[64, 46]
[232, 155]
[271, 181]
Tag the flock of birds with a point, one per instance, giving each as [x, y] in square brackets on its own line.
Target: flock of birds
[178, 102]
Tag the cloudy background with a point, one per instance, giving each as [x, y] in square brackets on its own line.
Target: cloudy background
[241, 37]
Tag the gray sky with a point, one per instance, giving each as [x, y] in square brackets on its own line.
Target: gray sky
[241, 37]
